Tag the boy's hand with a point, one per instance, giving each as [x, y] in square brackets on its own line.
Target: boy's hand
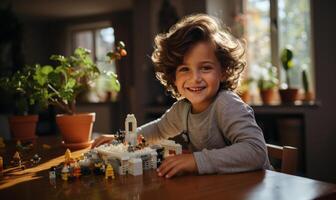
[102, 140]
[173, 165]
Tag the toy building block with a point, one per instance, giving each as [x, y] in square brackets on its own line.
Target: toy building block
[77, 171]
[130, 147]
[130, 128]
[146, 162]
[159, 154]
[171, 148]
[142, 141]
[99, 168]
[52, 173]
[65, 172]
[120, 136]
[36, 159]
[67, 156]
[109, 172]
[135, 166]
[123, 168]
[154, 160]
[71, 166]
[2, 143]
[17, 160]
[85, 166]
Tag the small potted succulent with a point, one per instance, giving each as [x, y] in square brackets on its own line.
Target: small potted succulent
[28, 100]
[267, 83]
[64, 82]
[288, 94]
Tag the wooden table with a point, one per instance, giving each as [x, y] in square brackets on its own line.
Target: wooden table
[33, 183]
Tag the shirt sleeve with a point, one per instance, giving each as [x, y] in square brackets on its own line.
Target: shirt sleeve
[168, 125]
[247, 151]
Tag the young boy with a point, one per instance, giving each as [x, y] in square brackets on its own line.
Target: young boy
[200, 63]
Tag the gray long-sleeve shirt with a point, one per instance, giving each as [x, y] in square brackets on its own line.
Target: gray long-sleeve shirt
[225, 137]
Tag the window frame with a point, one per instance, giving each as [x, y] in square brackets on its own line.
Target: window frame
[92, 27]
[275, 46]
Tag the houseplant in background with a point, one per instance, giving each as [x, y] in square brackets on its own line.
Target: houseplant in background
[244, 90]
[267, 84]
[288, 94]
[308, 95]
[28, 100]
[64, 82]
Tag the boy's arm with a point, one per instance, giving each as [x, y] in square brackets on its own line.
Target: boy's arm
[168, 125]
[248, 150]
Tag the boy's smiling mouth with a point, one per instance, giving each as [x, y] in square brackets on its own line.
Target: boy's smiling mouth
[195, 89]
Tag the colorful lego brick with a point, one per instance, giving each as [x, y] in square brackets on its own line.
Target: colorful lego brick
[109, 172]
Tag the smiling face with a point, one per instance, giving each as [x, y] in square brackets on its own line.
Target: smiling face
[198, 78]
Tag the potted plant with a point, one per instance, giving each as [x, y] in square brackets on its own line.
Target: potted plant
[308, 95]
[28, 100]
[288, 94]
[64, 82]
[267, 83]
[244, 90]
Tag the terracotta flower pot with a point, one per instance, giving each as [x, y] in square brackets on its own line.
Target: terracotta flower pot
[245, 96]
[76, 129]
[23, 127]
[267, 96]
[289, 95]
[308, 96]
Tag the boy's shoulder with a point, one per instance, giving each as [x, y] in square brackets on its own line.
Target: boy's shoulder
[228, 95]
[180, 105]
[226, 98]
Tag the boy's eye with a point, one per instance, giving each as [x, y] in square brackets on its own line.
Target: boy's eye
[182, 69]
[206, 68]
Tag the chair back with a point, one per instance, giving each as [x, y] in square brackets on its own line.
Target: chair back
[287, 155]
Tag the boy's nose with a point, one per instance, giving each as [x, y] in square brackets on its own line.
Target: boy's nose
[196, 76]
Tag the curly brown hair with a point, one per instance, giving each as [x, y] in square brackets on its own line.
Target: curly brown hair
[171, 47]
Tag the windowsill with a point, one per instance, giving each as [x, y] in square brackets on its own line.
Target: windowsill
[309, 104]
[297, 108]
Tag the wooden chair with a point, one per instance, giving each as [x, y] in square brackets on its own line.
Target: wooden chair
[287, 155]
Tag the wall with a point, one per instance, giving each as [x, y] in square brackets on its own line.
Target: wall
[321, 123]
[147, 91]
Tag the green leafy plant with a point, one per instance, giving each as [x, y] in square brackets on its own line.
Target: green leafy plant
[61, 84]
[245, 85]
[27, 93]
[268, 79]
[305, 81]
[287, 63]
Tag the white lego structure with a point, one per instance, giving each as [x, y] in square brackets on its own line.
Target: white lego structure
[135, 166]
[170, 147]
[123, 168]
[154, 160]
[130, 128]
[126, 159]
[120, 153]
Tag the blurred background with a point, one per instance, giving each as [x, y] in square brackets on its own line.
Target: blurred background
[31, 31]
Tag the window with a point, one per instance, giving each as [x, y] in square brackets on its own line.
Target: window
[99, 38]
[272, 25]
